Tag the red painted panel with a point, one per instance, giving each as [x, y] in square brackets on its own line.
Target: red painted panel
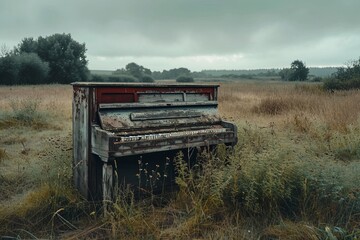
[117, 97]
[129, 94]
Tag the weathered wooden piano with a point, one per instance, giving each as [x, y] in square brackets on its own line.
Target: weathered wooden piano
[125, 132]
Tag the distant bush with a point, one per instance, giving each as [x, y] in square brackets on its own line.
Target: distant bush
[339, 84]
[32, 70]
[184, 79]
[345, 78]
[9, 69]
[147, 79]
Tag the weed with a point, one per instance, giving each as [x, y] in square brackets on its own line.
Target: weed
[266, 181]
[125, 219]
[201, 189]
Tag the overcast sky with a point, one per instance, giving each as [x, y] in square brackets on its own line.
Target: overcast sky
[197, 34]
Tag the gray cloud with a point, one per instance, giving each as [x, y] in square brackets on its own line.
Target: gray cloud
[195, 33]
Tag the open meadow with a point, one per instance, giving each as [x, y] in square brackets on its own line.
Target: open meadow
[294, 174]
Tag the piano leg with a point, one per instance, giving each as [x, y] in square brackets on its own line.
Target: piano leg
[108, 185]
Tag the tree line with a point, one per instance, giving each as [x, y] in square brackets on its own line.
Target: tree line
[140, 72]
[134, 72]
[60, 59]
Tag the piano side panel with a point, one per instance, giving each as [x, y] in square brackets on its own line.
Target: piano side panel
[80, 139]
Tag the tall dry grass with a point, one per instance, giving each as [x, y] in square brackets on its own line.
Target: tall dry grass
[55, 99]
[261, 102]
[294, 173]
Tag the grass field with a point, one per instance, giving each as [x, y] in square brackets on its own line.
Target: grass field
[294, 174]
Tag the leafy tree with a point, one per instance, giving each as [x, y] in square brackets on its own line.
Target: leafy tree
[133, 69]
[176, 72]
[66, 57]
[9, 69]
[32, 70]
[27, 45]
[136, 70]
[119, 71]
[299, 71]
[25, 68]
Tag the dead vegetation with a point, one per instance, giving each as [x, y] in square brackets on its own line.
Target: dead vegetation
[293, 175]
